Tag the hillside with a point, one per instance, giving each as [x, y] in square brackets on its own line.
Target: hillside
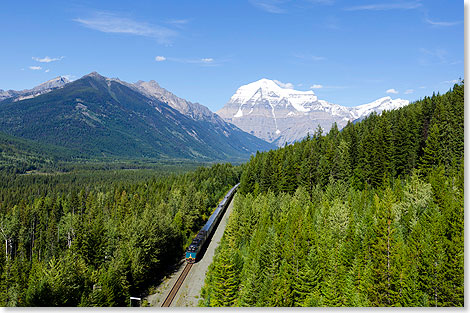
[369, 216]
[19, 155]
[99, 117]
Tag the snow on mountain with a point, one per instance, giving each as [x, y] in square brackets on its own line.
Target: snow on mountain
[278, 113]
[51, 84]
[378, 106]
[5, 94]
[43, 88]
[265, 89]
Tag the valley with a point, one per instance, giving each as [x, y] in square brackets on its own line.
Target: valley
[252, 153]
[100, 118]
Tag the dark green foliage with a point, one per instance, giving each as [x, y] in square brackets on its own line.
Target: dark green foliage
[422, 135]
[96, 238]
[94, 117]
[369, 216]
[379, 248]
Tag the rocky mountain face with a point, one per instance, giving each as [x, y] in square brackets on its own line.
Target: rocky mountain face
[43, 88]
[194, 110]
[96, 116]
[283, 115]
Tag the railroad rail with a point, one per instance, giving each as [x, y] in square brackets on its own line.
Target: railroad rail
[195, 249]
[177, 285]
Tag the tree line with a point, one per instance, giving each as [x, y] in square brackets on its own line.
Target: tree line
[372, 215]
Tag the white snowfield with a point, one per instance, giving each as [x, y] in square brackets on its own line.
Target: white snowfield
[379, 105]
[277, 113]
[265, 89]
[303, 101]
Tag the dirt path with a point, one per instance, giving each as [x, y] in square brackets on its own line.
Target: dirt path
[188, 294]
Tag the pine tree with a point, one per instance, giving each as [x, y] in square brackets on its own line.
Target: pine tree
[431, 152]
[226, 279]
[344, 161]
[383, 250]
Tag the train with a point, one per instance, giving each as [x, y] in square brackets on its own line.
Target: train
[206, 231]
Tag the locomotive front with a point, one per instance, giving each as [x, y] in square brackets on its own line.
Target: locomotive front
[191, 253]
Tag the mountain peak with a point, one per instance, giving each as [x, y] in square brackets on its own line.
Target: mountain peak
[276, 112]
[94, 75]
[56, 82]
[113, 119]
[379, 105]
[275, 93]
[150, 83]
[265, 82]
[195, 110]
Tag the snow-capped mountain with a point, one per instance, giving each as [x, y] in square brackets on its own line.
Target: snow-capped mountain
[378, 106]
[43, 88]
[104, 117]
[277, 113]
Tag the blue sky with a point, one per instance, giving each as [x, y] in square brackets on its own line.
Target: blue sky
[347, 52]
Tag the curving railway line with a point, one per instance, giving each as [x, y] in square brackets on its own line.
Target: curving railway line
[197, 247]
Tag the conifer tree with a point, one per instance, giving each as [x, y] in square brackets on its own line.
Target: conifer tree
[383, 250]
[432, 151]
[226, 279]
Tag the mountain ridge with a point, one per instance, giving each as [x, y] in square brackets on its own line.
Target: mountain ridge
[279, 114]
[52, 84]
[100, 116]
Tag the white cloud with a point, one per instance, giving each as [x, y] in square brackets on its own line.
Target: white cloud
[433, 56]
[270, 6]
[436, 23]
[332, 22]
[328, 87]
[392, 90]
[453, 81]
[70, 77]
[35, 68]
[47, 71]
[326, 2]
[47, 59]
[178, 21]
[280, 6]
[409, 91]
[386, 6]
[317, 58]
[204, 61]
[309, 57]
[111, 23]
[284, 85]
[316, 86]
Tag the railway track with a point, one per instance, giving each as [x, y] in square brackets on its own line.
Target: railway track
[177, 286]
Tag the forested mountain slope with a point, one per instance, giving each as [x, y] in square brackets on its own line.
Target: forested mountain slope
[98, 117]
[19, 155]
[369, 216]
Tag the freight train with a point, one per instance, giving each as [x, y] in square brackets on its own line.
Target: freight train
[201, 238]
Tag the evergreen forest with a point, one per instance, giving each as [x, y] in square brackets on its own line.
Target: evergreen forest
[95, 238]
[372, 215]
